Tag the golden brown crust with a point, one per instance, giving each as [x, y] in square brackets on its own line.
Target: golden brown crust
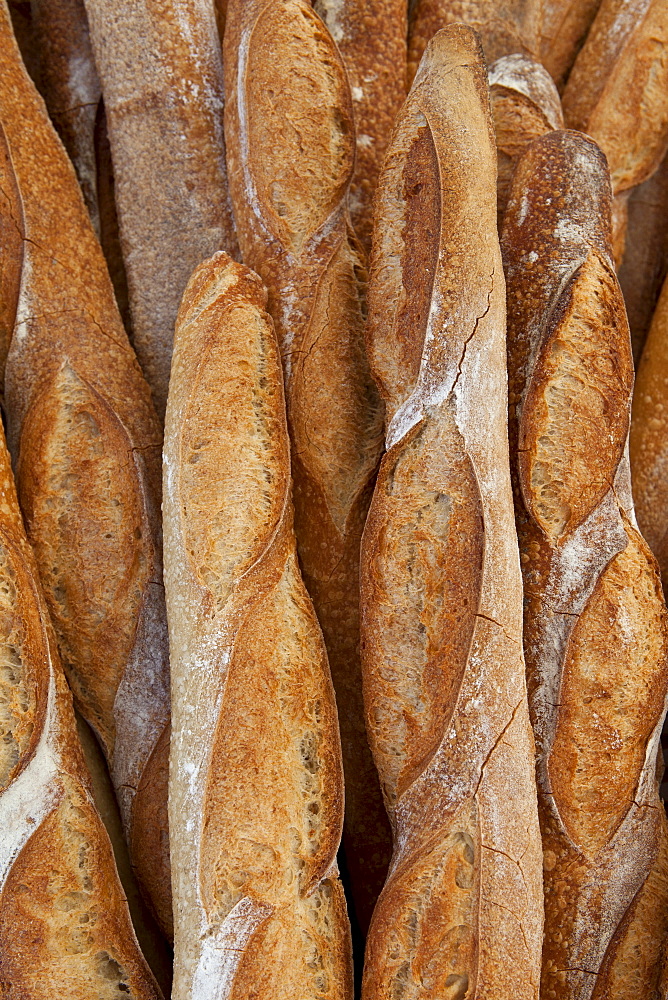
[256, 790]
[371, 36]
[151, 941]
[444, 687]
[595, 624]
[648, 437]
[525, 104]
[70, 86]
[645, 261]
[11, 254]
[64, 922]
[564, 28]
[505, 26]
[617, 89]
[289, 189]
[162, 82]
[86, 444]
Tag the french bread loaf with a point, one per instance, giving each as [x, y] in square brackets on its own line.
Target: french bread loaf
[65, 929]
[446, 705]
[564, 28]
[256, 784]
[617, 91]
[162, 81]
[525, 104]
[645, 259]
[289, 175]
[595, 623]
[505, 26]
[648, 438]
[371, 37]
[85, 442]
[70, 86]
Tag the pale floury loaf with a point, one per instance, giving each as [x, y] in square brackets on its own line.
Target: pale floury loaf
[595, 623]
[162, 82]
[444, 687]
[256, 784]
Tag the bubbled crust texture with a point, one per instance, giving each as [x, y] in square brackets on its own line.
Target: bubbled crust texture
[162, 82]
[617, 91]
[525, 104]
[289, 190]
[649, 434]
[595, 626]
[444, 688]
[564, 27]
[371, 37]
[86, 446]
[64, 922]
[256, 785]
[70, 86]
[505, 26]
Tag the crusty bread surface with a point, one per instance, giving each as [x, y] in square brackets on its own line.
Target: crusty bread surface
[289, 175]
[70, 86]
[505, 26]
[525, 104]
[617, 91]
[564, 28]
[85, 443]
[162, 82]
[595, 623]
[371, 37]
[65, 929]
[256, 783]
[446, 705]
[645, 259]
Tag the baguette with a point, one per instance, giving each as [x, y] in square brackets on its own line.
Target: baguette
[444, 688]
[564, 28]
[648, 441]
[85, 442]
[617, 91]
[289, 177]
[70, 86]
[595, 624]
[371, 37]
[151, 941]
[505, 26]
[65, 929]
[256, 784]
[645, 261]
[162, 82]
[525, 104]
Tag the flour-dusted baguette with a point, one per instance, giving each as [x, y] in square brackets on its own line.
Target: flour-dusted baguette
[617, 91]
[70, 85]
[649, 440]
[525, 104]
[595, 624]
[256, 784]
[505, 26]
[371, 37]
[564, 28]
[289, 174]
[162, 81]
[85, 441]
[65, 929]
[645, 260]
[444, 687]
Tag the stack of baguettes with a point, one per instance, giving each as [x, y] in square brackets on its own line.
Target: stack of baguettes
[371, 282]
